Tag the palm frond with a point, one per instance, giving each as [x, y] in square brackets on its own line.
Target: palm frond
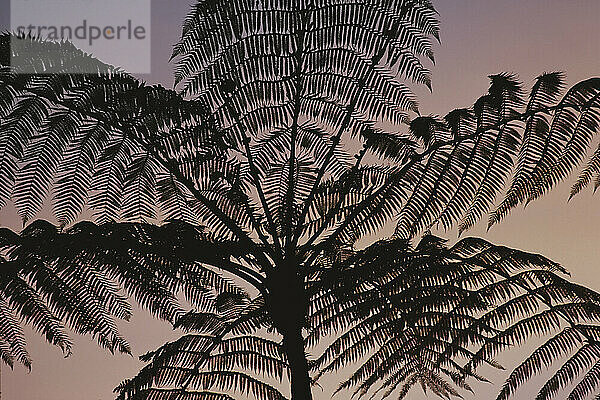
[269, 71]
[465, 161]
[432, 315]
[82, 278]
[226, 356]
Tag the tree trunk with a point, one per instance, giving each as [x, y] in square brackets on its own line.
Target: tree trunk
[288, 306]
[293, 345]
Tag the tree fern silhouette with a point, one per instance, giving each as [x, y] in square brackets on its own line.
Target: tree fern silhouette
[75, 277]
[494, 298]
[275, 144]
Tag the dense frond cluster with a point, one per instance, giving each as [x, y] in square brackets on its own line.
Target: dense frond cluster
[283, 81]
[503, 139]
[102, 140]
[226, 356]
[428, 315]
[431, 315]
[82, 279]
[286, 79]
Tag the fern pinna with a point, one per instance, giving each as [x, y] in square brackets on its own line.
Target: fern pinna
[292, 135]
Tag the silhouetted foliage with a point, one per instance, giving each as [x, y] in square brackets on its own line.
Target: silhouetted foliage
[50, 278]
[292, 137]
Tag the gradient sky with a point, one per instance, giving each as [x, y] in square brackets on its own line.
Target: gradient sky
[479, 38]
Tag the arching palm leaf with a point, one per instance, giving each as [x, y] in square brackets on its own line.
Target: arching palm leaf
[226, 356]
[431, 315]
[76, 278]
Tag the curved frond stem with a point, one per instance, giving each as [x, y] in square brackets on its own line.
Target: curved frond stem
[288, 204]
[551, 306]
[218, 336]
[247, 274]
[379, 195]
[172, 166]
[255, 176]
[342, 128]
[347, 184]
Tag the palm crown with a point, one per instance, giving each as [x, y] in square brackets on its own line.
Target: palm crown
[287, 141]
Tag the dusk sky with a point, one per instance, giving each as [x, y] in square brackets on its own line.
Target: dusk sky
[479, 38]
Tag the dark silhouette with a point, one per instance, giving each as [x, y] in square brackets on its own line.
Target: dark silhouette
[291, 138]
